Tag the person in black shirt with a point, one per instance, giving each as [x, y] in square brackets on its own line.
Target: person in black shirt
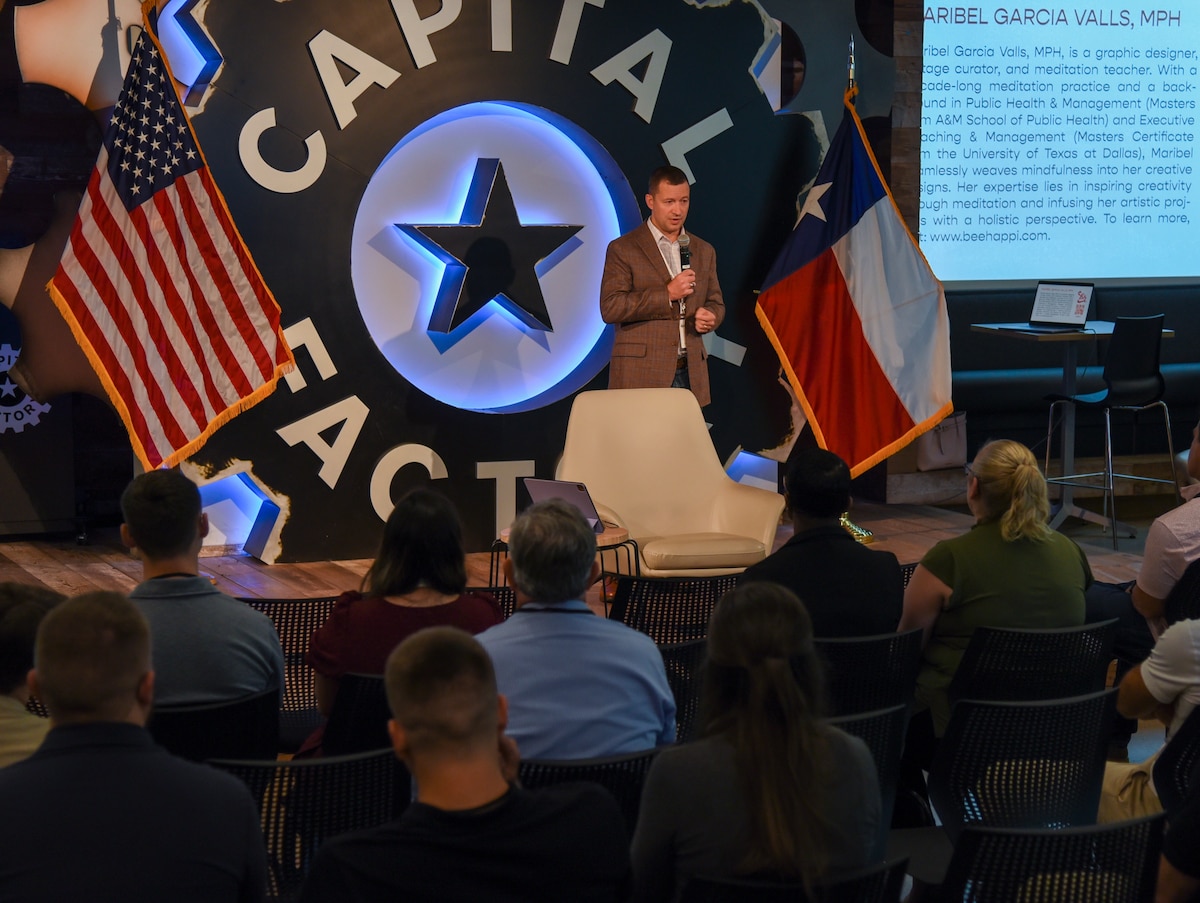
[471, 834]
[848, 589]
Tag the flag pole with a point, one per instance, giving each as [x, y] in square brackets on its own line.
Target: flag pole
[861, 534]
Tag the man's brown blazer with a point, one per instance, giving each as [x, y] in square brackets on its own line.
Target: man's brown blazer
[633, 295]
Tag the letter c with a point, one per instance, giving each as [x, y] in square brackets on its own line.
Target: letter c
[278, 180]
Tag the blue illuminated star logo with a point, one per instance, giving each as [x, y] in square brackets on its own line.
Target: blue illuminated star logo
[490, 255]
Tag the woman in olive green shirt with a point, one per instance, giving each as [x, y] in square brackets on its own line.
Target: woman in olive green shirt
[1009, 570]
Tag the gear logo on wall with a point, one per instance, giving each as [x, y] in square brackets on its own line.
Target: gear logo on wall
[17, 410]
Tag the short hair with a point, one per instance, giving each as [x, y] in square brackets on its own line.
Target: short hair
[818, 483]
[441, 688]
[22, 608]
[90, 655]
[422, 544]
[672, 175]
[552, 549]
[161, 510]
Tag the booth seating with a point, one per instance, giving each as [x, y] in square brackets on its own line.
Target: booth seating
[648, 462]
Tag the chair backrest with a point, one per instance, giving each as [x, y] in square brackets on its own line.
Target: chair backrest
[683, 662]
[1176, 767]
[646, 454]
[1113, 863]
[295, 620]
[303, 802]
[883, 732]
[1131, 361]
[358, 720]
[245, 728]
[879, 883]
[863, 674]
[1003, 663]
[906, 572]
[1022, 764]
[669, 609]
[622, 776]
[505, 596]
[1183, 601]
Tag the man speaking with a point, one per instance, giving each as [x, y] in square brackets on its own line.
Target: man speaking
[660, 289]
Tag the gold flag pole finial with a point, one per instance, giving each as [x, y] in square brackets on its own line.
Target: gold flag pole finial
[862, 534]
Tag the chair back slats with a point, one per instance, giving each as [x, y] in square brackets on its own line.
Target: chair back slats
[1178, 765]
[358, 721]
[669, 609]
[1114, 863]
[242, 728]
[881, 883]
[359, 717]
[863, 674]
[683, 662]
[621, 775]
[505, 596]
[1004, 663]
[1022, 764]
[303, 802]
[883, 732]
[295, 620]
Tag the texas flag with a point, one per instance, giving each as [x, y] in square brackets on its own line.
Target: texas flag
[855, 313]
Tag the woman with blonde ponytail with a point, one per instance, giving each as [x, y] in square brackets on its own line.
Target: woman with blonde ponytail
[1009, 570]
[770, 791]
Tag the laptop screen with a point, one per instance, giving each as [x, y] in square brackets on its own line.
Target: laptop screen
[1061, 304]
[572, 493]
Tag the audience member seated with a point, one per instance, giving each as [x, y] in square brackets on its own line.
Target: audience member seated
[578, 685]
[1165, 686]
[847, 588]
[22, 608]
[471, 834]
[100, 812]
[770, 791]
[1009, 570]
[208, 647]
[417, 580]
[1172, 543]
[1179, 867]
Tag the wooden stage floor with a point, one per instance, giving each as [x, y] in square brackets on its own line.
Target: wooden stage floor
[61, 564]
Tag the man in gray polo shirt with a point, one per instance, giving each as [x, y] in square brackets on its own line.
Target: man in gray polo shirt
[208, 647]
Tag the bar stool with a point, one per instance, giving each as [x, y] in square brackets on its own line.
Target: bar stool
[1134, 383]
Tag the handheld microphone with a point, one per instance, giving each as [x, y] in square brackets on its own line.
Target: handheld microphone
[685, 253]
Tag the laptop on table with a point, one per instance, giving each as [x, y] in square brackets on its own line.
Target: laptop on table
[574, 494]
[1057, 307]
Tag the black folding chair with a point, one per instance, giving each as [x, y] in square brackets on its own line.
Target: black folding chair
[863, 674]
[242, 728]
[669, 609]
[1114, 863]
[621, 775]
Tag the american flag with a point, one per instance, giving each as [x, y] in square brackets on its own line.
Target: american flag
[156, 283]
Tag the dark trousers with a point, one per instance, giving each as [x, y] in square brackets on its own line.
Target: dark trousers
[1133, 641]
[683, 379]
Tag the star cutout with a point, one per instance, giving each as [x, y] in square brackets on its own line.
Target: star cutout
[812, 203]
[8, 387]
[490, 255]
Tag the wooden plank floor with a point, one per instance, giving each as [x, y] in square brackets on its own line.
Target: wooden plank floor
[906, 530]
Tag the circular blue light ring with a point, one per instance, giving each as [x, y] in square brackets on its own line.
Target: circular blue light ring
[558, 175]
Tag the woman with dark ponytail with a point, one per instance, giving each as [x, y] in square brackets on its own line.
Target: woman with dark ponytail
[770, 791]
[1009, 570]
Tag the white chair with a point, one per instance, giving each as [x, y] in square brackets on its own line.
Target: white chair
[649, 464]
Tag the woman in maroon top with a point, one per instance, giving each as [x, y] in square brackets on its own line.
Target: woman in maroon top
[416, 581]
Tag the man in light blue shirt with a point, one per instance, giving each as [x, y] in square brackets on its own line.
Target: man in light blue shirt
[578, 686]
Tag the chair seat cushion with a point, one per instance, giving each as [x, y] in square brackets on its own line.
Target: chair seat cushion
[702, 550]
